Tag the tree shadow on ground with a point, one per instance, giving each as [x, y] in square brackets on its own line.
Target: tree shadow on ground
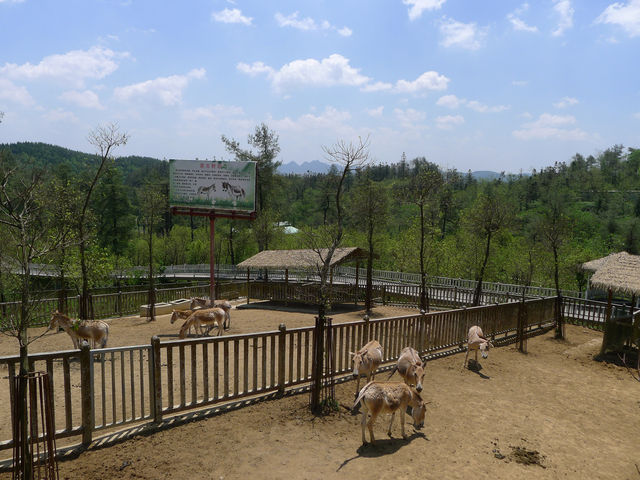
[388, 446]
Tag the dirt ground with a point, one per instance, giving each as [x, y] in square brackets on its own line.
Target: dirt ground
[552, 413]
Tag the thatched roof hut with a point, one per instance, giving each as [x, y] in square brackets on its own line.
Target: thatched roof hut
[619, 272]
[594, 265]
[301, 259]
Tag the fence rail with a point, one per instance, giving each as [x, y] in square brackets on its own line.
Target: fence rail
[95, 390]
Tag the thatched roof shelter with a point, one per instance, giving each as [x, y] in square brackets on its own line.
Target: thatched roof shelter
[619, 272]
[301, 259]
[594, 265]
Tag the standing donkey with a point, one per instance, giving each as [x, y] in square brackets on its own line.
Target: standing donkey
[90, 330]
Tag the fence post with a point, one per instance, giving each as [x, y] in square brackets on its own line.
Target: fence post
[248, 284]
[366, 329]
[281, 356]
[119, 303]
[156, 379]
[384, 294]
[86, 388]
[422, 345]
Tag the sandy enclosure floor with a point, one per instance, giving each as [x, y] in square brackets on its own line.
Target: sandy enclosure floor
[566, 414]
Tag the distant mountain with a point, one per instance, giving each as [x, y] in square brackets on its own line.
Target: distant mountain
[315, 166]
[485, 175]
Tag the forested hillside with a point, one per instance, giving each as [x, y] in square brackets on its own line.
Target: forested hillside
[509, 229]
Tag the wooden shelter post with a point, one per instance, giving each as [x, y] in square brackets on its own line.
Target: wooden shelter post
[286, 286]
[357, 283]
[248, 283]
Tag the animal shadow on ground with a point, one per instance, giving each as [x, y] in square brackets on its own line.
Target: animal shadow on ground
[475, 367]
[387, 446]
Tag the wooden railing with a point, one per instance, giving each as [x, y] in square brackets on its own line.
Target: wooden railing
[96, 390]
[108, 305]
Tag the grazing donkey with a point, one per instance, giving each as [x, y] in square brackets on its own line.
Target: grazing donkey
[366, 361]
[207, 190]
[207, 316]
[477, 341]
[410, 367]
[92, 331]
[199, 302]
[377, 398]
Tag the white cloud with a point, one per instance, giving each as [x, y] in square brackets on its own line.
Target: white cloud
[482, 108]
[447, 122]
[464, 35]
[85, 99]
[215, 112]
[451, 101]
[231, 15]
[566, 102]
[409, 116]
[565, 11]
[328, 72]
[376, 112]
[295, 22]
[517, 22]
[59, 115]
[330, 119]
[308, 23]
[520, 83]
[377, 87]
[11, 1]
[74, 67]
[637, 115]
[336, 70]
[427, 81]
[166, 89]
[626, 16]
[14, 93]
[419, 6]
[547, 126]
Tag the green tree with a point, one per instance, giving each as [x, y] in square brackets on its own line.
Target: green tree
[422, 190]
[369, 209]
[490, 213]
[105, 139]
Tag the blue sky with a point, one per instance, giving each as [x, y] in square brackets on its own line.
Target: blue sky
[469, 84]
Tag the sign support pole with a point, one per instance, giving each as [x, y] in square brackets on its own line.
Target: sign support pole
[212, 256]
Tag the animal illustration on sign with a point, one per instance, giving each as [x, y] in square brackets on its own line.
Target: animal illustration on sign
[233, 190]
[202, 191]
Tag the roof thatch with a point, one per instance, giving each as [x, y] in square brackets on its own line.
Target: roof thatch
[594, 265]
[305, 258]
[620, 273]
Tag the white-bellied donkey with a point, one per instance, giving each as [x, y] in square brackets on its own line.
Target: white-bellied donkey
[410, 367]
[206, 316]
[366, 361]
[477, 341]
[376, 398]
[199, 302]
[93, 331]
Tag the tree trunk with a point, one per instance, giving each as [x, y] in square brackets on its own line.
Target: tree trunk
[559, 320]
[423, 281]
[152, 292]
[478, 292]
[368, 302]
[83, 312]
[23, 413]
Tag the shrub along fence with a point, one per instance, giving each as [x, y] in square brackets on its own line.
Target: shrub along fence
[98, 390]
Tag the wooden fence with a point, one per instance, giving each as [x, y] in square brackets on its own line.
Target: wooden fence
[120, 303]
[96, 390]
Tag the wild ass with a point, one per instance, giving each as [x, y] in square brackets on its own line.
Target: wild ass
[477, 341]
[233, 191]
[93, 331]
[378, 397]
[207, 316]
[366, 361]
[410, 367]
[206, 190]
[199, 302]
